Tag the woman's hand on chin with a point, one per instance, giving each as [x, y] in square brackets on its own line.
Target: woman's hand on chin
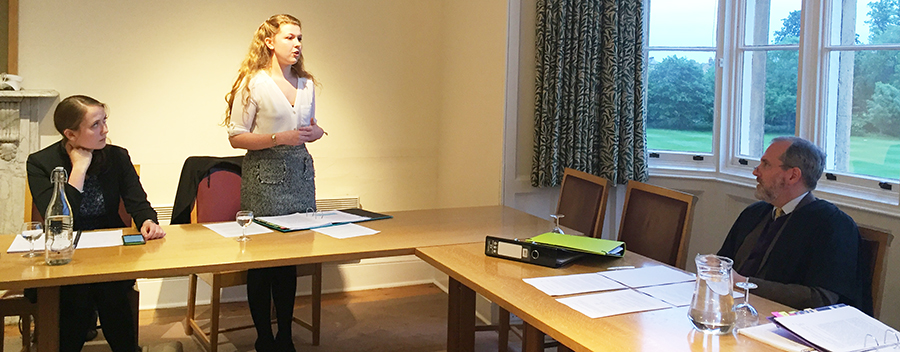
[80, 157]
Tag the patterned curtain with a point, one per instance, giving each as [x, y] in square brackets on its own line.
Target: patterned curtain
[588, 98]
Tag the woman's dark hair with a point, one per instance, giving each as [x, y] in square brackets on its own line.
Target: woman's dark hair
[68, 116]
[70, 112]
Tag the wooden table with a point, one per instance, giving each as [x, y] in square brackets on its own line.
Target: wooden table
[193, 249]
[500, 281]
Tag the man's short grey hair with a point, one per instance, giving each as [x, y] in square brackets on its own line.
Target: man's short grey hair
[804, 155]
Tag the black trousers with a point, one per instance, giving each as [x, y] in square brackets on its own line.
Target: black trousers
[267, 285]
[76, 315]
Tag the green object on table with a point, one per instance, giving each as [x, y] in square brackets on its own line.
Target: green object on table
[582, 244]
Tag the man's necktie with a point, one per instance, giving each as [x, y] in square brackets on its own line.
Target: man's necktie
[754, 260]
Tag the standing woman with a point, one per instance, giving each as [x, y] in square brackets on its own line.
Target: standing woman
[99, 175]
[271, 114]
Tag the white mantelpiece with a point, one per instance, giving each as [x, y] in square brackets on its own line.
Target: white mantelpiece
[20, 112]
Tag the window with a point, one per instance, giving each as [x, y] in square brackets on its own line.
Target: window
[826, 70]
[862, 121]
[768, 62]
[681, 75]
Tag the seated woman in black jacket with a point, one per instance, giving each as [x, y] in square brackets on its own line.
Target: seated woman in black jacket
[99, 175]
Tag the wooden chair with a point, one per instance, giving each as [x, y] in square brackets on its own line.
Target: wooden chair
[875, 243]
[14, 302]
[656, 222]
[582, 199]
[218, 199]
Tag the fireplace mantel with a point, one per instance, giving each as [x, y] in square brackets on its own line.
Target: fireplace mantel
[28, 93]
[20, 114]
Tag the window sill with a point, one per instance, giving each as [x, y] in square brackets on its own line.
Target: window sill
[860, 198]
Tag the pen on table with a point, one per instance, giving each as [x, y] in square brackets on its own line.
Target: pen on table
[620, 267]
[77, 237]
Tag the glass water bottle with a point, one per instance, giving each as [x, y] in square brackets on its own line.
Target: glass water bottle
[59, 244]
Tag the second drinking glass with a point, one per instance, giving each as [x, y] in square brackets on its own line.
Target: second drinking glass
[244, 218]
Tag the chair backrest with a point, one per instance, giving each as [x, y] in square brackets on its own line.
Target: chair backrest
[582, 201]
[656, 222]
[875, 243]
[218, 197]
[33, 214]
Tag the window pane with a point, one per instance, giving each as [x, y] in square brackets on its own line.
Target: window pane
[768, 98]
[680, 100]
[863, 121]
[865, 22]
[772, 22]
[669, 27]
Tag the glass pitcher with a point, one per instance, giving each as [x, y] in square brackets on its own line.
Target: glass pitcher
[711, 308]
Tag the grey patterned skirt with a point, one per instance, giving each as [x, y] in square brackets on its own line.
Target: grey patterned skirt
[278, 181]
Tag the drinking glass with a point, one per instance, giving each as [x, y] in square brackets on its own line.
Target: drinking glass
[556, 228]
[244, 218]
[745, 315]
[32, 231]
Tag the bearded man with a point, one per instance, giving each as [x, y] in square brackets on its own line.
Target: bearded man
[799, 250]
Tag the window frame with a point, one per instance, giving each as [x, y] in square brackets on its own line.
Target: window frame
[725, 163]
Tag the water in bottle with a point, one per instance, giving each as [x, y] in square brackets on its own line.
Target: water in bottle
[59, 244]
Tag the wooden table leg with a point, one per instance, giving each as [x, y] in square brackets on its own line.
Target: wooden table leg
[503, 330]
[460, 318]
[47, 324]
[532, 339]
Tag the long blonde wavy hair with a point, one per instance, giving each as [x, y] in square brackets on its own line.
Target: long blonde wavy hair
[260, 58]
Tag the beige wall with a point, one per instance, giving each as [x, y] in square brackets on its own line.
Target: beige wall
[408, 87]
[472, 104]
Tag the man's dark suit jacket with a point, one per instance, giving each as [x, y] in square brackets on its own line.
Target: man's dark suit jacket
[818, 248]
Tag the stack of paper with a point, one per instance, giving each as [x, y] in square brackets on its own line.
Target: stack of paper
[293, 222]
[774, 336]
[312, 220]
[842, 329]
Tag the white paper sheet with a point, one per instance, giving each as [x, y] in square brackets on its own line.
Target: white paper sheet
[679, 294]
[89, 239]
[606, 304]
[296, 221]
[648, 276]
[20, 245]
[345, 231]
[774, 336]
[97, 239]
[572, 284]
[339, 217]
[232, 229]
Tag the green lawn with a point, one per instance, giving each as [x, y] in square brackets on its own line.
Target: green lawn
[868, 155]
